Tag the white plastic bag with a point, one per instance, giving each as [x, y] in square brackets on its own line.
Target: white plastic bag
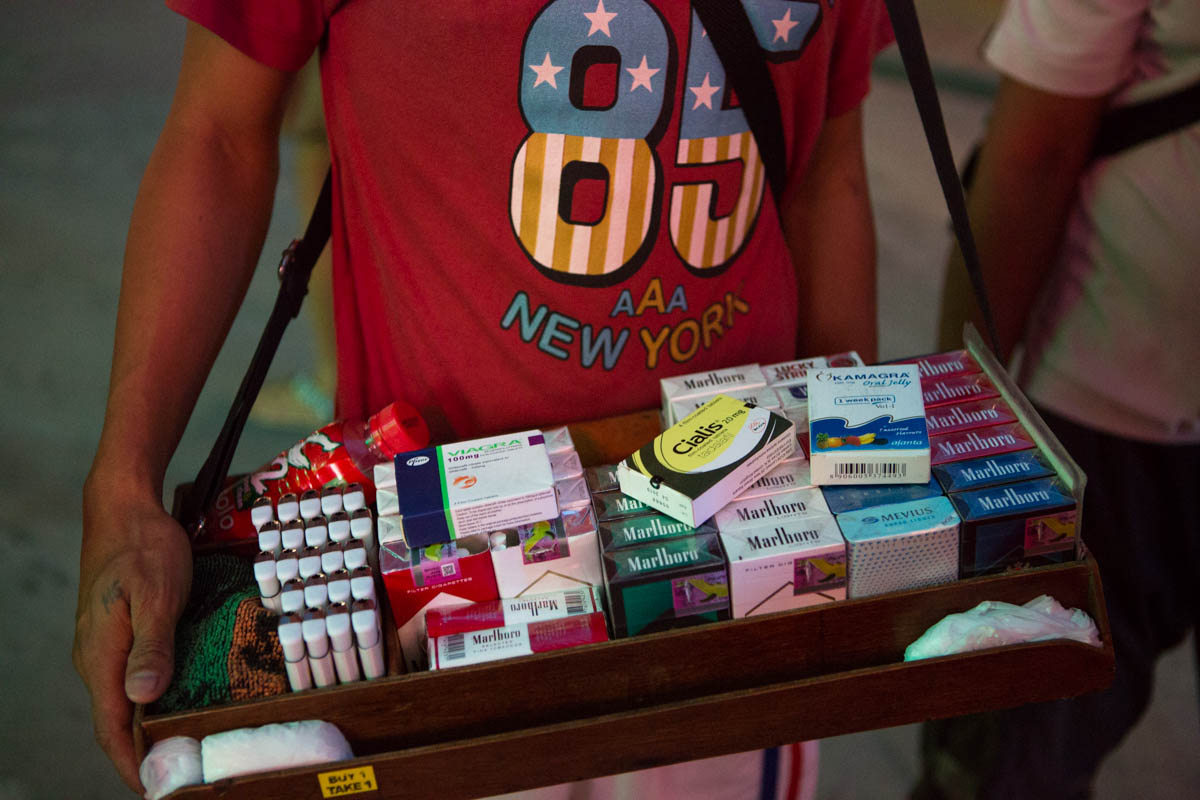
[170, 764]
[271, 747]
[992, 624]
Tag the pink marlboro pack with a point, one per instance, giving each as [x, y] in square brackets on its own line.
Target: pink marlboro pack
[494, 644]
[450, 574]
[957, 389]
[979, 443]
[510, 611]
[943, 365]
[964, 416]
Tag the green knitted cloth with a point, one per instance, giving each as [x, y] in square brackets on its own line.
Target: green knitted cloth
[226, 647]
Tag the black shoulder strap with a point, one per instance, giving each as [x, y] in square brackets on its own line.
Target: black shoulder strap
[733, 38]
[1128, 126]
[295, 268]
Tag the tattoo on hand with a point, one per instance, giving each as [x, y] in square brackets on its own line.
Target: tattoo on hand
[113, 593]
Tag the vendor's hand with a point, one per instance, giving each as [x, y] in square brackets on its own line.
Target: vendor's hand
[135, 572]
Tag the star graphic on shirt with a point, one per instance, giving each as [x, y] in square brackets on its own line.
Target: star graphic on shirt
[783, 26]
[704, 93]
[600, 19]
[641, 76]
[546, 72]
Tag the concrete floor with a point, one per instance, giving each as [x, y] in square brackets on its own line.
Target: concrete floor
[83, 89]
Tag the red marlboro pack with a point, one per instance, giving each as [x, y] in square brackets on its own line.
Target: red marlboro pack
[965, 416]
[451, 574]
[957, 389]
[943, 365]
[510, 611]
[979, 443]
[494, 644]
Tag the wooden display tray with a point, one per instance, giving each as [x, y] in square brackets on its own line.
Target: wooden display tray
[667, 697]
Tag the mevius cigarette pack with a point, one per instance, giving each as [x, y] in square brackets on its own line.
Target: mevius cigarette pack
[471, 487]
[439, 575]
[1016, 524]
[666, 584]
[781, 567]
[708, 458]
[901, 546]
[851, 498]
[495, 644]
[867, 425]
[771, 509]
[510, 611]
[647, 528]
[979, 473]
[544, 557]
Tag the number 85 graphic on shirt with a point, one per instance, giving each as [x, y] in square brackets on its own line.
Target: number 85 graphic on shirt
[596, 91]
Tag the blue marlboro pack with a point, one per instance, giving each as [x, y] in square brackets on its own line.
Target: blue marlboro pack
[1016, 525]
[979, 473]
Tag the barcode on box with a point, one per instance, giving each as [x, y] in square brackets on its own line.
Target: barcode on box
[574, 602]
[870, 470]
[447, 570]
[456, 647]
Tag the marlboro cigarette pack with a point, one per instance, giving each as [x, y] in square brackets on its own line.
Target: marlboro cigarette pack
[510, 611]
[710, 457]
[785, 566]
[544, 557]
[633, 531]
[1016, 524]
[980, 443]
[494, 644]
[979, 473]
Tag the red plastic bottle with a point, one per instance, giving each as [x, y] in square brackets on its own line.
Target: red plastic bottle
[340, 453]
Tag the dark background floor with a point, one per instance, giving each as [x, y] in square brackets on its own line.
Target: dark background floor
[83, 89]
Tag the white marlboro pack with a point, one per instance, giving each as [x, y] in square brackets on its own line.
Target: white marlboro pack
[708, 384]
[494, 644]
[510, 611]
[773, 509]
[547, 556]
[478, 486]
[433, 577]
[867, 426]
[787, 477]
[710, 457]
[785, 566]
[760, 396]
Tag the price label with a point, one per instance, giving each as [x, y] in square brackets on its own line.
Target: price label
[345, 782]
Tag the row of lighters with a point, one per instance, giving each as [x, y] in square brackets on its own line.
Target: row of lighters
[782, 531]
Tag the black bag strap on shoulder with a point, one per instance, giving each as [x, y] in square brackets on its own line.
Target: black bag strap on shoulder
[1125, 127]
[295, 269]
[733, 38]
[920, 77]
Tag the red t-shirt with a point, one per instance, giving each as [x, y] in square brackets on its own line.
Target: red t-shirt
[541, 208]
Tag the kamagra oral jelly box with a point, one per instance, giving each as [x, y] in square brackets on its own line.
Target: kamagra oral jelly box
[851, 498]
[710, 457]
[965, 416]
[867, 426]
[980, 442]
[543, 557]
[781, 567]
[941, 365]
[633, 531]
[957, 389]
[666, 584]
[1016, 525]
[902, 546]
[476, 486]
[979, 473]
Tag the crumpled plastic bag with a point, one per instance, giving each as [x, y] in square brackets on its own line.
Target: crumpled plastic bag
[271, 747]
[170, 764]
[992, 624]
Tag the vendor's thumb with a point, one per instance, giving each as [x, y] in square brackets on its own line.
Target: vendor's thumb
[151, 659]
